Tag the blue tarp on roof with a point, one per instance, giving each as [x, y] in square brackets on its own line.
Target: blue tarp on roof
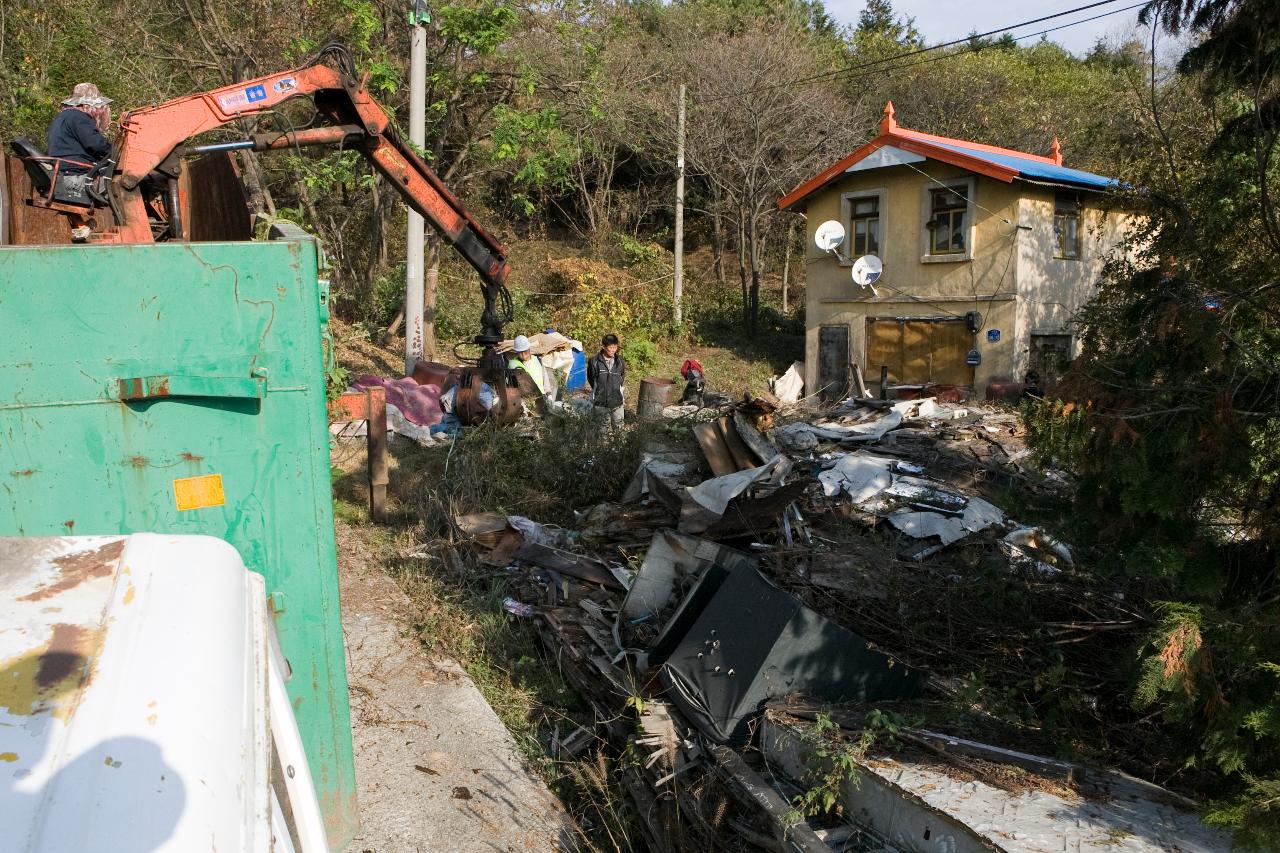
[1035, 169]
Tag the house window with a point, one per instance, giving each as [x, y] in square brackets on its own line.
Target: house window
[1066, 225]
[1050, 357]
[864, 226]
[949, 221]
[860, 213]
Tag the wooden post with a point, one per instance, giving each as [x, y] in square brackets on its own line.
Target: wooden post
[786, 264]
[376, 410]
[860, 384]
[370, 406]
[677, 288]
[884, 382]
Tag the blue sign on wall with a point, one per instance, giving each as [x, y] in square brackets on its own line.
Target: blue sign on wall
[993, 336]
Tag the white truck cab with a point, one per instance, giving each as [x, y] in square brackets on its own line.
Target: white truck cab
[142, 702]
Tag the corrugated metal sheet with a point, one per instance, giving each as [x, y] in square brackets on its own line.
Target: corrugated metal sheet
[1035, 169]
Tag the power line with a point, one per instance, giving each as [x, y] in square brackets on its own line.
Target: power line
[941, 57]
[891, 63]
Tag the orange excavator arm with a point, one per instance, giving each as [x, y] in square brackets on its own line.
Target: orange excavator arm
[152, 142]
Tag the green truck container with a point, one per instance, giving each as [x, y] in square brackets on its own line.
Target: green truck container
[180, 388]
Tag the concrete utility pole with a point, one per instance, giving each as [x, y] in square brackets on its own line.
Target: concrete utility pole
[419, 17]
[678, 286]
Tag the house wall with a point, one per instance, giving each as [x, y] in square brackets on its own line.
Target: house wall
[913, 285]
[1009, 275]
[1052, 290]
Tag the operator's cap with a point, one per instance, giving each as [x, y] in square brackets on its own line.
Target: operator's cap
[521, 344]
[86, 95]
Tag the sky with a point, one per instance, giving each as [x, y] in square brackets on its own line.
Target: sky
[945, 20]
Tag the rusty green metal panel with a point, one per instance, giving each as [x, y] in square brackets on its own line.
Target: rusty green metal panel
[180, 388]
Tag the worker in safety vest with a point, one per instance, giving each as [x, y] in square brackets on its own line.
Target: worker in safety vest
[523, 359]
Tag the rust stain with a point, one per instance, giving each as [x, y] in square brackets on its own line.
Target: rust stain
[191, 457]
[128, 594]
[151, 720]
[70, 524]
[139, 461]
[24, 473]
[151, 704]
[75, 569]
[8, 756]
[37, 681]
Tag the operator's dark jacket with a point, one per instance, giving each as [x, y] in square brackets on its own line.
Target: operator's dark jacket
[73, 135]
[606, 384]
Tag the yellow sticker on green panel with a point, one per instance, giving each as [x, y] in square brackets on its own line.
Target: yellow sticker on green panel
[199, 492]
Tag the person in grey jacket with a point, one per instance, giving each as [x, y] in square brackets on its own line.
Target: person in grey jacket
[606, 374]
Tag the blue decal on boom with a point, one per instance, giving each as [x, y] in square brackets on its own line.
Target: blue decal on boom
[256, 93]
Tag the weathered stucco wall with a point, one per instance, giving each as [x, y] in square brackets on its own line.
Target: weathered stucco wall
[1009, 274]
[1052, 290]
[985, 280]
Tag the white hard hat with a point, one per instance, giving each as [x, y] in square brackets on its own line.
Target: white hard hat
[521, 344]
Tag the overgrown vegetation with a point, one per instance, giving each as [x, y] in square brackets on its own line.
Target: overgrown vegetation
[833, 759]
[561, 468]
[555, 123]
[1174, 410]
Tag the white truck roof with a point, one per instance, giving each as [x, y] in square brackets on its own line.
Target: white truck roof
[133, 696]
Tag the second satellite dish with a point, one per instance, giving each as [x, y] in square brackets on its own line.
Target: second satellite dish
[829, 235]
[866, 270]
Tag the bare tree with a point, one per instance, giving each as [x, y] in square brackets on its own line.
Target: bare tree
[753, 134]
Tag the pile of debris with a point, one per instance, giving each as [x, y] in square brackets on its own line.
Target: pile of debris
[673, 612]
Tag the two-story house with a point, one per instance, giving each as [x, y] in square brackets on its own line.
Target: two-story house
[987, 255]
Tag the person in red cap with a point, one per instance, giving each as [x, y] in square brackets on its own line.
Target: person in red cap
[76, 134]
[695, 379]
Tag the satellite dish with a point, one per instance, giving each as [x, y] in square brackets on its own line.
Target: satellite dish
[866, 270]
[829, 235]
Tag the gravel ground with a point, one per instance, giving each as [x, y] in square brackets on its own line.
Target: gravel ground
[435, 768]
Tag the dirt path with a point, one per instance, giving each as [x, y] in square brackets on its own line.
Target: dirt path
[435, 768]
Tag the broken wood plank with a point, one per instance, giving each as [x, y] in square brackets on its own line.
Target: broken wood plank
[737, 447]
[751, 515]
[759, 445]
[574, 565]
[717, 453]
[509, 544]
[749, 787]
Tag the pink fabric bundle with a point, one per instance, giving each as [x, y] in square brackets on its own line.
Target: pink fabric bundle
[420, 404]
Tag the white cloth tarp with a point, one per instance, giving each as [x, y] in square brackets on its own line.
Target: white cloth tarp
[537, 533]
[796, 436]
[400, 425]
[789, 387]
[859, 475]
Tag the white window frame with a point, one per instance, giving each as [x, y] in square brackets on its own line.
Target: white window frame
[969, 187]
[846, 219]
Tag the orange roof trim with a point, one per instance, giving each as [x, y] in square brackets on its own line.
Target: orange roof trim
[926, 145]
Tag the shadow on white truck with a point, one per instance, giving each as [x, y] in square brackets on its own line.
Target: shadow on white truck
[142, 702]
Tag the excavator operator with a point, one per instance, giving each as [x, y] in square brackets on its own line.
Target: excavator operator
[76, 135]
